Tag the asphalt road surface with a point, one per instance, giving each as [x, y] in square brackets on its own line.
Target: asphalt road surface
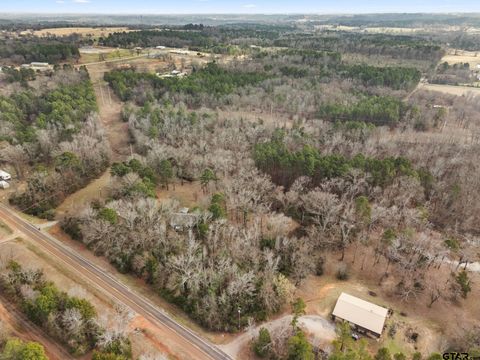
[184, 342]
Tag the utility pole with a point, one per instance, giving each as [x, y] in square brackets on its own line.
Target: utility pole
[239, 311]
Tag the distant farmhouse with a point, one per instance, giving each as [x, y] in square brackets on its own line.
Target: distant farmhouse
[174, 73]
[364, 316]
[38, 66]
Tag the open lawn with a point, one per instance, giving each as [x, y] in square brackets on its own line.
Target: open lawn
[189, 194]
[455, 56]
[90, 55]
[97, 189]
[452, 89]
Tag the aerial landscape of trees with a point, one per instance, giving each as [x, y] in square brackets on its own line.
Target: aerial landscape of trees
[26, 51]
[56, 131]
[305, 154]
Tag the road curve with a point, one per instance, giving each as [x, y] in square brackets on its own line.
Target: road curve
[184, 340]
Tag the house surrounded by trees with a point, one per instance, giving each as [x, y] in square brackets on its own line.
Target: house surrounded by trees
[363, 316]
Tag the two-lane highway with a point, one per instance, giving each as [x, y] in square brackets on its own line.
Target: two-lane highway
[183, 342]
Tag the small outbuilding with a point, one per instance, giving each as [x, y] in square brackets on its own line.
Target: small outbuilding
[365, 317]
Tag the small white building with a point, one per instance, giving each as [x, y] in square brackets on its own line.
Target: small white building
[5, 176]
[160, 47]
[363, 316]
[179, 52]
[4, 184]
[38, 66]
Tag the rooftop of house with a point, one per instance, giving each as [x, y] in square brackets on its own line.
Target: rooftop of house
[360, 312]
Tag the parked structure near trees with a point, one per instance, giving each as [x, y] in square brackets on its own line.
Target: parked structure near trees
[364, 316]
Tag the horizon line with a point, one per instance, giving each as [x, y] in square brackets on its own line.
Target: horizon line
[243, 13]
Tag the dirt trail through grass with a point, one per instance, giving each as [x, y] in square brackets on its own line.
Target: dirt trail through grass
[110, 108]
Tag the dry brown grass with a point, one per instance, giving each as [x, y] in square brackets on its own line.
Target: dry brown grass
[189, 194]
[4, 230]
[451, 89]
[83, 31]
[97, 189]
[433, 324]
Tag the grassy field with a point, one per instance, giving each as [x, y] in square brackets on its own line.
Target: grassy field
[4, 230]
[451, 89]
[83, 31]
[104, 54]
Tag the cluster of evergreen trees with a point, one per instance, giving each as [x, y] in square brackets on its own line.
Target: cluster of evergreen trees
[285, 166]
[212, 79]
[61, 114]
[64, 108]
[152, 38]
[22, 75]
[394, 77]
[377, 110]
[216, 39]
[144, 187]
[51, 51]
[395, 46]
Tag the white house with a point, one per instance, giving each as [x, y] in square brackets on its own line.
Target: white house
[5, 176]
[364, 316]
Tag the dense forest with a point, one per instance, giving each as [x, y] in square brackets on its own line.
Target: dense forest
[408, 47]
[30, 50]
[215, 39]
[212, 80]
[328, 170]
[55, 131]
[394, 77]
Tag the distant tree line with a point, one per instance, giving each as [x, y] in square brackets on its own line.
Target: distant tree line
[285, 166]
[213, 80]
[400, 46]
[394, 77]
[377, 110]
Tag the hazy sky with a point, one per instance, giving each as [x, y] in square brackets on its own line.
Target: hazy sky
[237, 6]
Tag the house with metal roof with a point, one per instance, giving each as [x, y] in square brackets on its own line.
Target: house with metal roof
[363, 316]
